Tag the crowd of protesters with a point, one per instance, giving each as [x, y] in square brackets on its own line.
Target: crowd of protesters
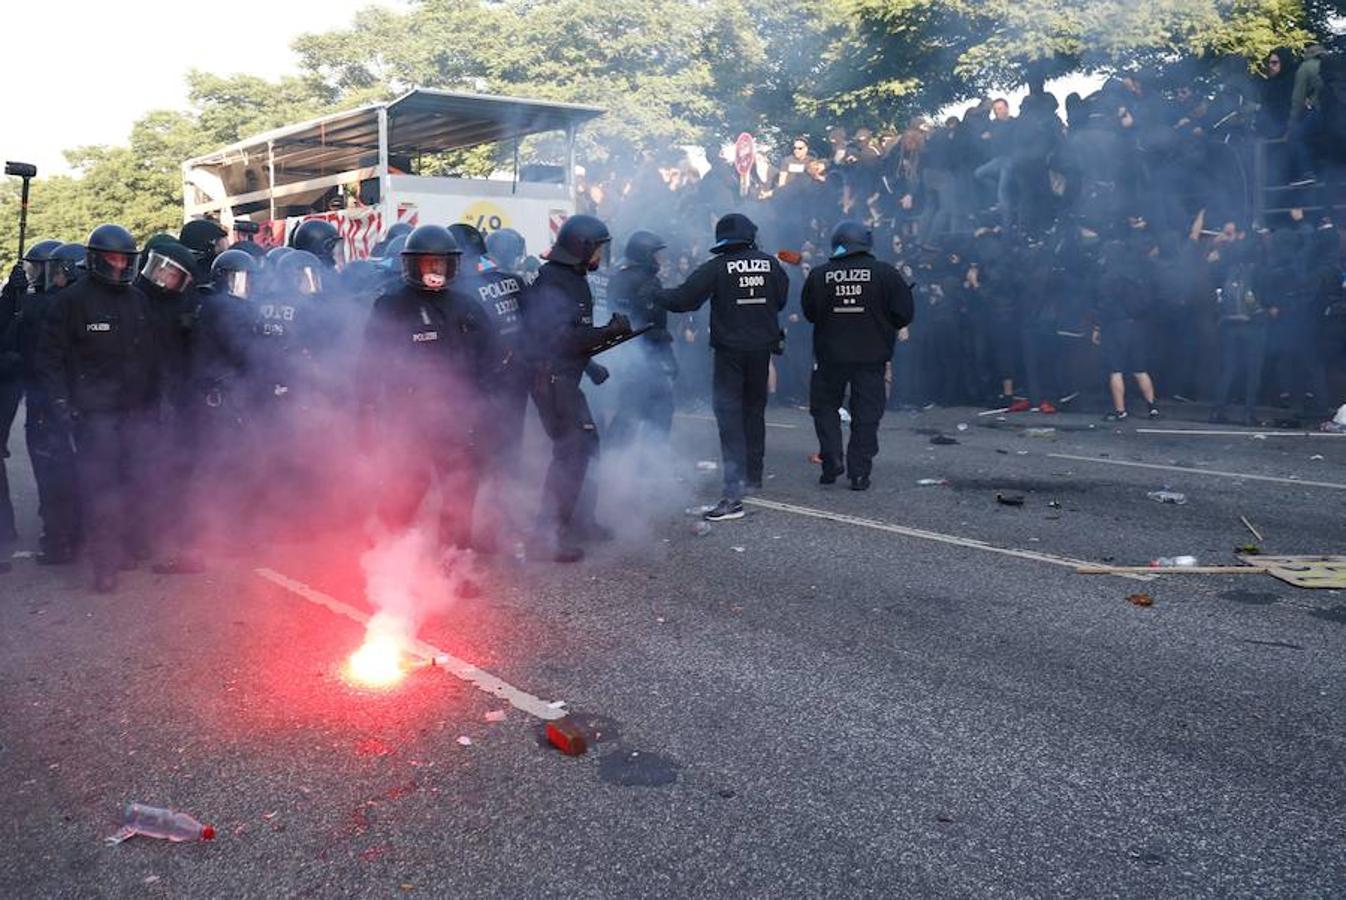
[1077, 247]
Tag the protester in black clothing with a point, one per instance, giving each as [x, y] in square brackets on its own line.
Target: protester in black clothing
[857, 305]
[99, 364]
[1125, 302]
[747, 290]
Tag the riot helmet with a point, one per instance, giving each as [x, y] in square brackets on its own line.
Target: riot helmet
[206, 240]
[110, 255]
[641, 250]
[276, 254]
[469, 240]
[234, 274]
[732, 232]
[299, 272]
[35, 264]
[507, 248]
[169, 266]
[430, 258]
[64, 267]
[253, 249]
[851, 237]
[578, 241]
[321, 238]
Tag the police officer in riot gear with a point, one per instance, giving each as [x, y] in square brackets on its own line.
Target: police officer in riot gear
[26, 279]
[221, 488]
[507, 250]
[99, 365]
[747, 290]
[320, 238]
[505, 385]
[425, 350]
[857, 305]
[561, 335]
[645, 398]
[49, 441]
[206, 240]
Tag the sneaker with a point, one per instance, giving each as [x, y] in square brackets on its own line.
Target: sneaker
[1047, 408]
[1154, 412]
[1115, 416]
[1020, 405]
[860, 484]
[830, 476]
[724, 510]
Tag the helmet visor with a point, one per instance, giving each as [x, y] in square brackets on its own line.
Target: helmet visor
[307, 280]
[429, 272]
[236, 283]
[112, 266]
[165, 274]
[32, 270]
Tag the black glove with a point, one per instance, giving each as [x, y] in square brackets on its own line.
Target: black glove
[597, 373]
[18, 281]
[617, 326]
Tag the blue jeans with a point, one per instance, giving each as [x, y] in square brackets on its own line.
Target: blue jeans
[998, 172]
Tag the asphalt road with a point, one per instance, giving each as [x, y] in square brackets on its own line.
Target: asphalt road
[843, 694]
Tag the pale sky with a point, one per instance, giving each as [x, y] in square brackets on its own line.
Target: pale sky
[85, 76]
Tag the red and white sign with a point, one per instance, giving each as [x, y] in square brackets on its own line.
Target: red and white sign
[745, 153]
[361, 228]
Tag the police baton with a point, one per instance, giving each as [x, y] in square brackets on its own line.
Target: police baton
[26, 171]
[608, 343]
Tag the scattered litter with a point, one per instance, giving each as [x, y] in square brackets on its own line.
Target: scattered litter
[962, 426]
[166, 824]
[1249, 525]
[1315, 457]
[1054, 504]
[1249, 550]
[660, 619]
[700, 529]
[1020, 452]
[464, 741]
[699, 510]
[845, 415]
[1259, 437]
[495, 715]
[994, 412]
[739, 549]
[1039, 432]
[707, 465]
[556, 704]
[271, 815]
[1173, 562]
[932, 482]
[567, 737]
[1009, 499]
[1141, 599]
[943, 440]
[1167, 496]
[149, 879]
[1002, 452]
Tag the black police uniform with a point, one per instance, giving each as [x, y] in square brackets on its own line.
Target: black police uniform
[424, 355]
[645, 397]
[11, 392]
[560, 333]
[747, 290]
[507, 381]
[857, 304]
[99, 366]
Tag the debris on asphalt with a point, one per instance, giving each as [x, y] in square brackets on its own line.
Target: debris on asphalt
[1249, 525]
[700, 529]
[1002, 452]
[1249, 550]
[1173, 562]
[932, 482]
[1166, 496]
[1039, 432]
[699, 510]
[1259, 437]
[567, 737]
[1141, 599]
[464, 741]
[1316, 456]
[495, 715]
[739, 549]
[962, 426]
[994, 412]
[707, 465]
[1010, 499]
[943, 440]
[1054, 504]
[165, 824]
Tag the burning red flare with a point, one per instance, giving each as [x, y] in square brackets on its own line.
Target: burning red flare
[378, 662]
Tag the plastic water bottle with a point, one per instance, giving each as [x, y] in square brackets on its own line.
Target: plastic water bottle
[1176, 498]
[150, 821]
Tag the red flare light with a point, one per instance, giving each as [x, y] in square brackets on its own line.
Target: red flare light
[378, 663]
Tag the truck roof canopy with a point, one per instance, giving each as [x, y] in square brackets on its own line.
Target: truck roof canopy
[421, 121]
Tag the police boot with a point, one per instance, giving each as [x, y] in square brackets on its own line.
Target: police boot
[860, 484]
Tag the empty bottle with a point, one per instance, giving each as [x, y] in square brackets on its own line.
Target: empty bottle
[1167, 496]
[1173, 562]
[165, 824]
